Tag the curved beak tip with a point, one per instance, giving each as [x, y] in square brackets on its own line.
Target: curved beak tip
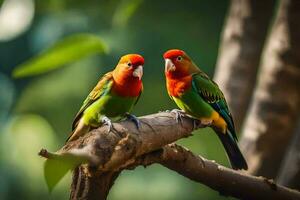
[138, 72]
[169, 65]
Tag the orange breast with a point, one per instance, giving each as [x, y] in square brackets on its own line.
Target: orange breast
[128, 89]
[125, 84]
[176, 87]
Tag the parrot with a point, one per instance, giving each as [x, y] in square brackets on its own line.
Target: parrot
[112, 98]
[201, 98]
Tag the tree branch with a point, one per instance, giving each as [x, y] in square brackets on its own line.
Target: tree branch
[227, 181]
[110, 151]
[125, 147]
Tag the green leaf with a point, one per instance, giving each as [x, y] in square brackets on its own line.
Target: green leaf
[124, 11]
[65, 51]
[58, 165]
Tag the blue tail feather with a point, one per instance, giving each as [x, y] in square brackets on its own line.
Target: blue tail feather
[234, 154]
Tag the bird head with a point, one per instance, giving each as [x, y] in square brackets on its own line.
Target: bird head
[130, 66]
[177, 63]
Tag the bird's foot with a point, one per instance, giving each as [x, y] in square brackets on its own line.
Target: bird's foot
[134, 119]
[178, 114]
[106, 121]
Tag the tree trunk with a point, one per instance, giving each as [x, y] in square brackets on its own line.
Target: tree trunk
[276, 103]
[289, 174]
[91, 186]
[242, 43]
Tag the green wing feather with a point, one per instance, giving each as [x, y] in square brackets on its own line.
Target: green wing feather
[101, 88]
[137, 99]
[212, 94]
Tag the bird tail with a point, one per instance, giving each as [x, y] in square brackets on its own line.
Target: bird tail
[234, 154]
[79, 130]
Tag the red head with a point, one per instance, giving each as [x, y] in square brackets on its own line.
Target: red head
[177, 63]
[173, 53]
[134, 59]
[128, 74]
[130, 66]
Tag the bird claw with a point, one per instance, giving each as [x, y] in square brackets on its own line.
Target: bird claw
[178, 114]
[106, 121]
[134, 119]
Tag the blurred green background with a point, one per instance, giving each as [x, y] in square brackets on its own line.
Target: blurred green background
[36, 112]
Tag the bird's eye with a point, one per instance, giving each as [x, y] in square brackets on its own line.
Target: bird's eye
[129, 64]
[179, 58]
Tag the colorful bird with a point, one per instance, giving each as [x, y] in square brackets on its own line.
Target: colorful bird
[113, 97]
[200, 97]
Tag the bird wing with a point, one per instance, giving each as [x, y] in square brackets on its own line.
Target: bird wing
[212, 94]
[137, 99]
[102, 87]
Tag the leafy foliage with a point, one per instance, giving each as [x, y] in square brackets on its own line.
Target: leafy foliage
[57, 166]
[65, 51]
[124, 11]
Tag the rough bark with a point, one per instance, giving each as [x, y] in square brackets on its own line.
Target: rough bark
[276, 103]
[289, 174]
[111, 150]
[227, 181]
[108, 153]
[91, 186]
[242, 43]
